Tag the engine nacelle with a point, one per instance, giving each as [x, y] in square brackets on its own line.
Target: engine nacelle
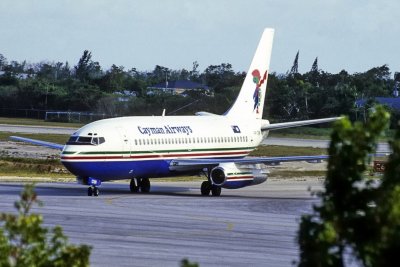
[229, 175]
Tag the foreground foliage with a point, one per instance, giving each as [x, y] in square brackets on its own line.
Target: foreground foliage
[358, 219]
[25, 242]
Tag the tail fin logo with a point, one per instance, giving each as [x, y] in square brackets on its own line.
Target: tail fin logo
[257, 92]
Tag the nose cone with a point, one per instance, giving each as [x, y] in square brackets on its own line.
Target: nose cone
[69, 160]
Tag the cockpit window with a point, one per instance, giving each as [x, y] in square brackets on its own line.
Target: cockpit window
[85, 140]
[72, 139]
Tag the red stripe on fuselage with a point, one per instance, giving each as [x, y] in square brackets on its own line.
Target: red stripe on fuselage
[156, 156]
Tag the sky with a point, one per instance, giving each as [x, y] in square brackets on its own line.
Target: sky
[344, 34]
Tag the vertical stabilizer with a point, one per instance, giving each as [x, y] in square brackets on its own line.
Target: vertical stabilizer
[250, 101]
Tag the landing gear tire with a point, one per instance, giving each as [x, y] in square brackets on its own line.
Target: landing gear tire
[93, 191]
[90, 191]
[96, 192]
[145, 185]
[133, 186]
[216, 191]
[205, 188]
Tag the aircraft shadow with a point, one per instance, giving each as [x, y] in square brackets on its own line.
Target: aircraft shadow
[75, 190]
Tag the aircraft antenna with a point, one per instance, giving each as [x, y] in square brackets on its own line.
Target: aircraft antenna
[185, 106]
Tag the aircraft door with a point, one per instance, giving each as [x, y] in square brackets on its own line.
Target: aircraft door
[125, 142]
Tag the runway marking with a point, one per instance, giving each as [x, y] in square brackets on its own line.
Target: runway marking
[110, 200]
[229, 225]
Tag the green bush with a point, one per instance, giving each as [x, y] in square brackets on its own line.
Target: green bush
[358, 218]
[25, 242]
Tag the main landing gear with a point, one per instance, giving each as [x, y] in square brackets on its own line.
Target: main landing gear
[142, 184]
[207, 187]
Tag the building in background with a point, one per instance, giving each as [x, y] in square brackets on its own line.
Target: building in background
[180, 87]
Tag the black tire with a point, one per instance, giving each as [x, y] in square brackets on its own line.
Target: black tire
[133, 187]
[205, 188]
[216, 191]
[145, 185]
[96, 192]
[90, 191]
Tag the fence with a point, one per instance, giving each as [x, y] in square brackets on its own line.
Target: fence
[61, 116]
[23, 113]
[67, 116]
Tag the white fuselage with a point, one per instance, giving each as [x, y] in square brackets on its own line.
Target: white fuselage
[131, 147]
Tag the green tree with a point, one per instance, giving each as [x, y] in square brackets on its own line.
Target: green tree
[87, 69]
[295, 66]
[114, 79]
[358, 218]
[25, 242]
[3, 61]
[222, 76]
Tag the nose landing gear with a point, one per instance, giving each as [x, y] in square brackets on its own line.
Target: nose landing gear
[93, 189]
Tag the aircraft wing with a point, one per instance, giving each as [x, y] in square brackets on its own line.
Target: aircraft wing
[283, 125]
[38, 142]
[191, 164]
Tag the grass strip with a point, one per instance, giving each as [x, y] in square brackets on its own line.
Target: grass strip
[54, 138]
[36, 122]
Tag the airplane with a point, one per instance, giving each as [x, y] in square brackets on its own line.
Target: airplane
[143, 147]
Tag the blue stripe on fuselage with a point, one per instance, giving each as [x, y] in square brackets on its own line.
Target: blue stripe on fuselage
[117, 170]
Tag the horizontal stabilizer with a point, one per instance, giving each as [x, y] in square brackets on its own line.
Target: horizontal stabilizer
[205, 113]
[285, 125]
[37, 142]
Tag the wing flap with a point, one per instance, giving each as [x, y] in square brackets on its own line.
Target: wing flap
[194, 164]
[38, 142]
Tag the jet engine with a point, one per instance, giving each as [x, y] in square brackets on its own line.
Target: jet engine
[232, 176]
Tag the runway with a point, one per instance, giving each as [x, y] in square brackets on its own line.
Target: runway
[36, 129]
[253, 226]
